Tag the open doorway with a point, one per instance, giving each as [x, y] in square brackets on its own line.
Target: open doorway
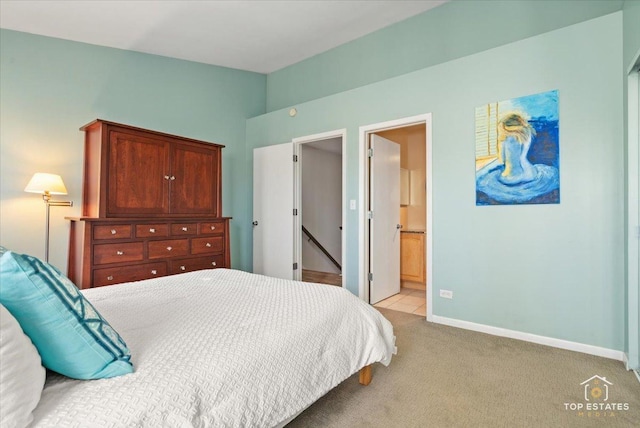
[321, 211]
[399, 253]
[413, 209]
[319, 223]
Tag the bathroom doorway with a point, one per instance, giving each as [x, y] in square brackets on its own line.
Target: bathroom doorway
[412, 256]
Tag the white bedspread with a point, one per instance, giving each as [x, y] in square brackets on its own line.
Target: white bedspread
[220, 348]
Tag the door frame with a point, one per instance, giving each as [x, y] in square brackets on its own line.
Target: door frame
[297, 197]
[632, 357]
[363, 196]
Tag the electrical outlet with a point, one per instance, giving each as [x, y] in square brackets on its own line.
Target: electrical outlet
[447, 294]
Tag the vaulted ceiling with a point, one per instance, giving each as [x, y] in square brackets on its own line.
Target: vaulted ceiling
[261, 36]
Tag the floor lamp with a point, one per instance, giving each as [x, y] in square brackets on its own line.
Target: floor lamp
[47, 185]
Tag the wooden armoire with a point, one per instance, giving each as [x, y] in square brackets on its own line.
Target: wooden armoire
[151, 206]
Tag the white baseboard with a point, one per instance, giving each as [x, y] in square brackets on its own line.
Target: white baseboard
[528, 337]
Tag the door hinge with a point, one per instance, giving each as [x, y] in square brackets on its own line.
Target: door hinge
[295, 266]
[369, 215]
[295, 158]
[370, 153]
[295, 211]
[370, 276]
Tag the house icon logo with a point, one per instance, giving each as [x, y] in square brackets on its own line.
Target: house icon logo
[596, 388]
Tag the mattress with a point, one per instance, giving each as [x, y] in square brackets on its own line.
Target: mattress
[220, 348]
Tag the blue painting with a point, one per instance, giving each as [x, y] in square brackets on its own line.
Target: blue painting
[517, 151]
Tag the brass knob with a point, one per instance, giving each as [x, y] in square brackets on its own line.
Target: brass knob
[119, 252]
[113, 231]
[213, 228]
[153, 271]
[184, 229]
[213, 264]
[208, 244]
[152, 230]
[183, 268]
[169, 248]
[110, 278]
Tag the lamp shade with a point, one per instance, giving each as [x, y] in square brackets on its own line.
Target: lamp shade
[46, 183]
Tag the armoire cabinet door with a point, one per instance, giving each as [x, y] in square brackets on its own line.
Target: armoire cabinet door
[195, 177]
[139, 175]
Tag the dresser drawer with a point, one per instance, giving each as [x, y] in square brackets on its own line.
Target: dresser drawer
[207, 245]
[114, 231]
[152, 230]
[168, 248]
[118, 252]
[108, 276]
[212, 228]
[196, 263]
[183, 229]
[104, 251]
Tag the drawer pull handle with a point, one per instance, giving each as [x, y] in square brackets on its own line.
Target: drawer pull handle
[207, 244]
[154, 272]
[213, 264]
[113, 231]
[173, 177]
[110, 278]
[185, 229]
[169, 248]
[119, 252]
[152, 230]
[166, 177]
[213, 228]
[183, 268]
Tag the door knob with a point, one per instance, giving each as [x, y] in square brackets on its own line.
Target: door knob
[398, 226]
[255, 223]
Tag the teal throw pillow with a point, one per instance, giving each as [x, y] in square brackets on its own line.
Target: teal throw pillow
[70, 335]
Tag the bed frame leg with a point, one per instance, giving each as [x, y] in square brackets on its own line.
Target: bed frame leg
[365, 375]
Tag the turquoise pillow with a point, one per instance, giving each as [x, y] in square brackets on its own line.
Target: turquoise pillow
[70, 335]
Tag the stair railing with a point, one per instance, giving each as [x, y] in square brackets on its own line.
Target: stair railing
[324, 250]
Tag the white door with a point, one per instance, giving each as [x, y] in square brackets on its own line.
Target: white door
[273, 211]
[384, 232]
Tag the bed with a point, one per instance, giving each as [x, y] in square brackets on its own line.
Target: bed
[220, 348]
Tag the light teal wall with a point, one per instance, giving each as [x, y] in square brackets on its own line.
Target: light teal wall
[453, 30]
[631, 34]
[631, 31]
[551, 270]
[50, 87]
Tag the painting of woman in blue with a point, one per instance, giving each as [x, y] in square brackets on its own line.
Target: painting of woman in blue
[517, 154]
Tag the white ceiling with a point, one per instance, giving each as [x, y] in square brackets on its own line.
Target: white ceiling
[333, 145]
[259, 35]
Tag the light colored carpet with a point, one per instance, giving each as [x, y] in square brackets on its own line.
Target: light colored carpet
[449, 377]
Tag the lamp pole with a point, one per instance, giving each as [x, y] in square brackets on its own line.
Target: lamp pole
[46, 197]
